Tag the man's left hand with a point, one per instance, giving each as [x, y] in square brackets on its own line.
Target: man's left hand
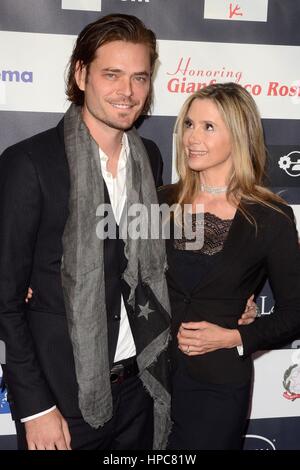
[250, 312]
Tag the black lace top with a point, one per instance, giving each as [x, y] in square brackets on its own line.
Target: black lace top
[215, 233]
[189, 265]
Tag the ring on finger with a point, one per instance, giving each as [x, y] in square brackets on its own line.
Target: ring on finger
[258, 313]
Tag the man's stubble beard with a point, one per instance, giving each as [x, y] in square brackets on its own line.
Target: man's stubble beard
[114, 124]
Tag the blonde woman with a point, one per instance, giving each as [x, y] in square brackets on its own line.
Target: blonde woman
[249, 235]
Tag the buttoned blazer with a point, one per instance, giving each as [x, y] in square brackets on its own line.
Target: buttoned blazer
[251, 254]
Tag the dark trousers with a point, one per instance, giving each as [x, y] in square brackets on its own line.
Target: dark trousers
[207, 416]
[130, 428]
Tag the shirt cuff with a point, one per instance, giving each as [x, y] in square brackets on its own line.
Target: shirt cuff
[240, 350]
[29, 418]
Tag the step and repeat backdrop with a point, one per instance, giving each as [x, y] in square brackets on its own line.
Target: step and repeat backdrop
[253, 42]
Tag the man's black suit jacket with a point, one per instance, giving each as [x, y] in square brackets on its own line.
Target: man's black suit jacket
[34, 196]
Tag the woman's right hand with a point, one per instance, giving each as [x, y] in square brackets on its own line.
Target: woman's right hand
[196, 338]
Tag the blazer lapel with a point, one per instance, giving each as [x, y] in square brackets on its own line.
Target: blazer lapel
[236, 240]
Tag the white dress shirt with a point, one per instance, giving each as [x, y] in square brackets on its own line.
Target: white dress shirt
[117, 193]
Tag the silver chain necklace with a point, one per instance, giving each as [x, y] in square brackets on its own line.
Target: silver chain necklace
[213, 189]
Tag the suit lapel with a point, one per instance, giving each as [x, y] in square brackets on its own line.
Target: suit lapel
[236, 241]
[238, 235]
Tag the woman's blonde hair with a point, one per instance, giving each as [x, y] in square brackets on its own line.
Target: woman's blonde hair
[241, 116]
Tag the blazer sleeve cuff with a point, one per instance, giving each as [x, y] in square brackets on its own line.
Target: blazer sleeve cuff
[37, 415]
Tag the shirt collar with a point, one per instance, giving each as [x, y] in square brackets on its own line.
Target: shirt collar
[123, 154]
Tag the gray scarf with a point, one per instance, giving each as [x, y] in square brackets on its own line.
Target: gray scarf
[83, 280]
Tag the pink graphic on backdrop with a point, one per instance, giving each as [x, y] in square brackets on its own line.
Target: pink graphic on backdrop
[234, 10]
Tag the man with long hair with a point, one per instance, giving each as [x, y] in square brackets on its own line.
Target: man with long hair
[86, 367]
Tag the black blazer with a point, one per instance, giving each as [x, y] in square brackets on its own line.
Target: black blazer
[247, 259]
[34, 196]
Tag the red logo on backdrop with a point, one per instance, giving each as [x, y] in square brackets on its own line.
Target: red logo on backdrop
[234, 10]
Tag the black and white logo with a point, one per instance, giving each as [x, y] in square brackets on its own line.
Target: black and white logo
[257, 442]
[290, 163]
